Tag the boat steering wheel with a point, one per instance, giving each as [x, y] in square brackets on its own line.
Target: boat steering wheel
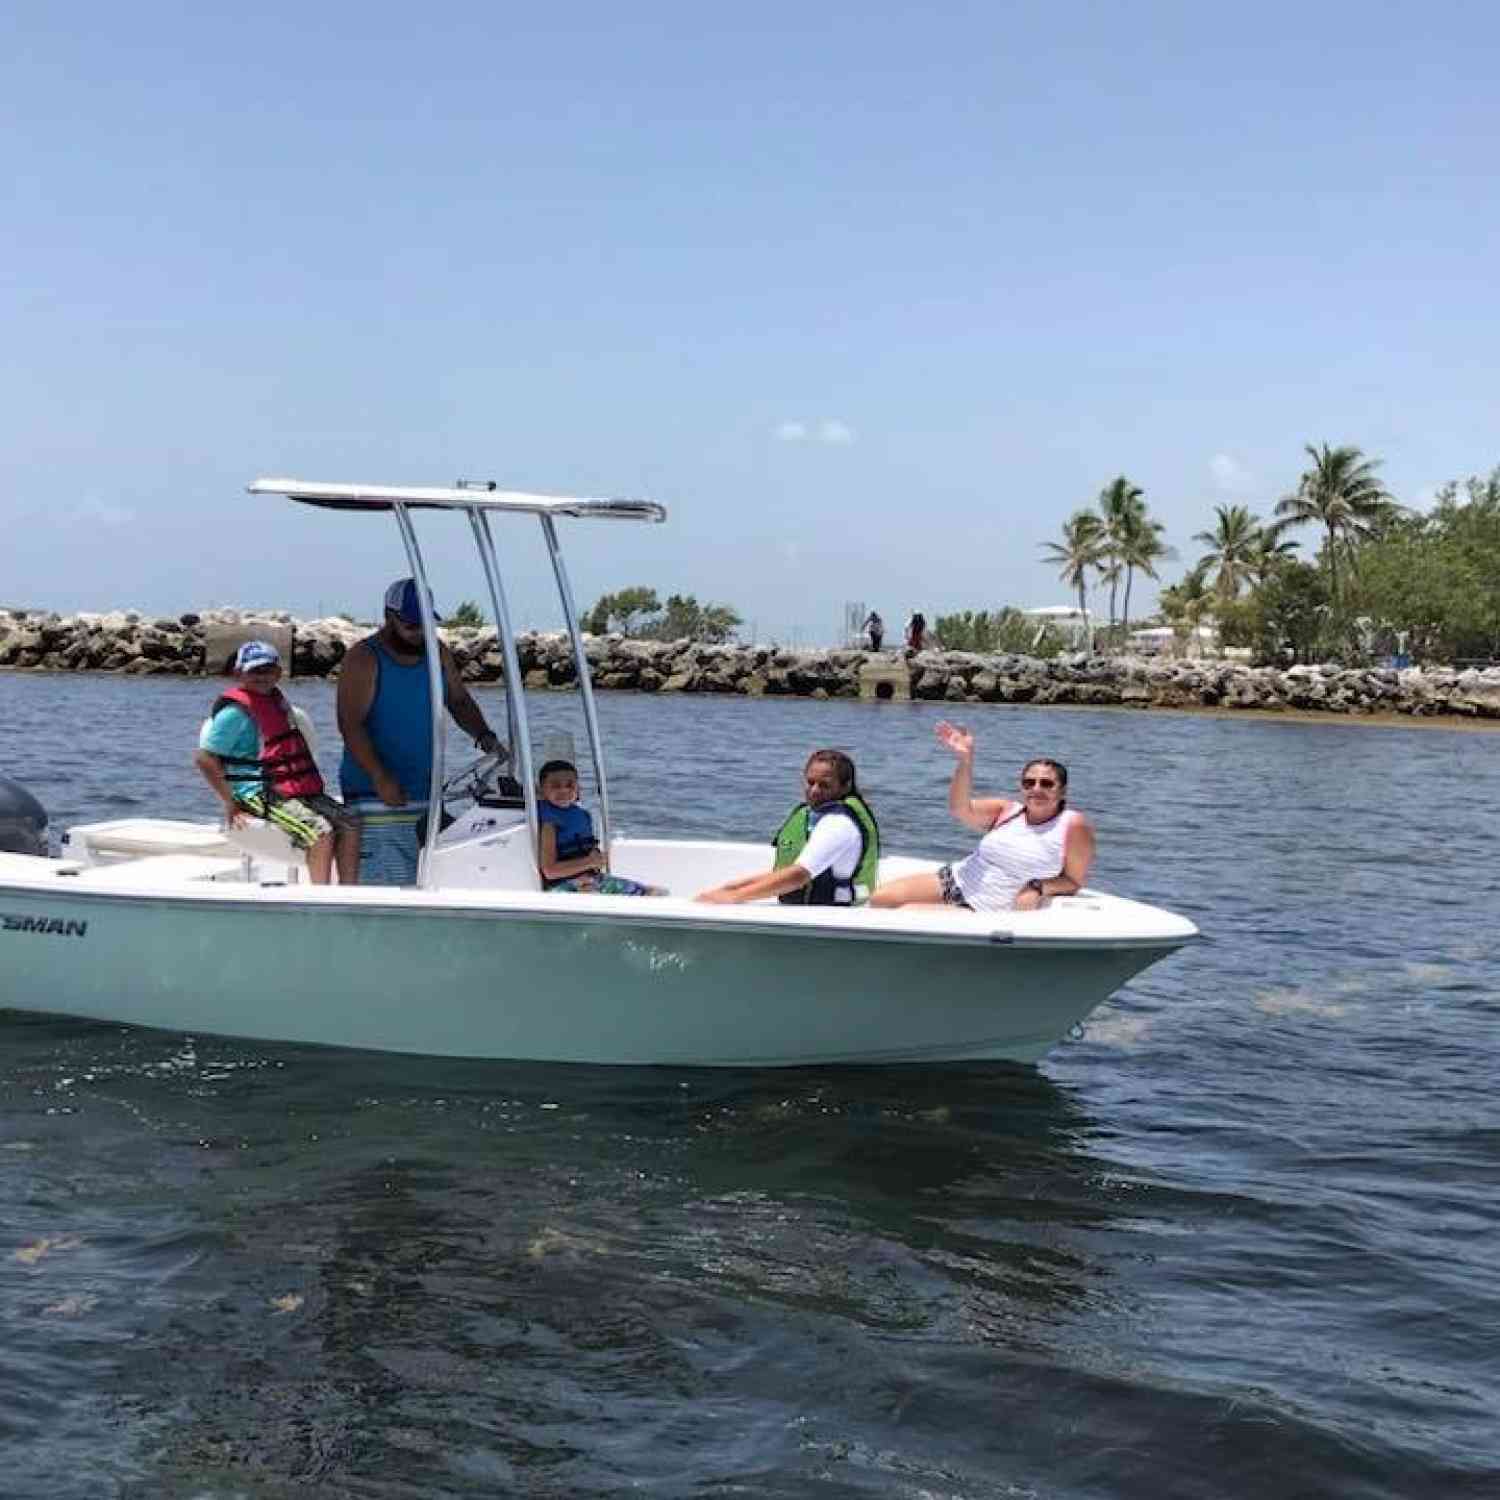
[480, 778]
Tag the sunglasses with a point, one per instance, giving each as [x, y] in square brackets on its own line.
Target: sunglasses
[263, 671]
[1046, 783]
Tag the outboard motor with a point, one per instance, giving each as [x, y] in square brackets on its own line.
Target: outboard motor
[23, 824]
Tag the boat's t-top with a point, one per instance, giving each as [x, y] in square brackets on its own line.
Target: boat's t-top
[478, 500]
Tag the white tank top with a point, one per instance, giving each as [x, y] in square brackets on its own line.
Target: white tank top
[1011, 853]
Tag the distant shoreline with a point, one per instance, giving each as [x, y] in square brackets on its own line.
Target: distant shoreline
[1290, 717]
[1304, 718]
[201, 645]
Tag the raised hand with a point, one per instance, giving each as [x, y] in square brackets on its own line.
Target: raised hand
[956, 739]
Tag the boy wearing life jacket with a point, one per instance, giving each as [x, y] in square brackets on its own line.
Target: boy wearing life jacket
[254, 756]
[569, 857]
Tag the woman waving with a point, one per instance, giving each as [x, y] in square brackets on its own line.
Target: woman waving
[1034, 846]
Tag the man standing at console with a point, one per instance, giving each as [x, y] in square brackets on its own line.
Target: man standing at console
[385, 717]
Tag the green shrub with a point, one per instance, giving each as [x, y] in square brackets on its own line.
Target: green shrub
[1005, 630]
[466, 613]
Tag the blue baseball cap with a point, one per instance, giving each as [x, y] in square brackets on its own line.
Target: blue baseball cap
[256, 654]
[401, 599]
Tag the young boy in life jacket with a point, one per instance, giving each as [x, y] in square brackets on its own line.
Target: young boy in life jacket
[252, 753]
[569, 856]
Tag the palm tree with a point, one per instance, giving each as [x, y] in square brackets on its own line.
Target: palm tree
[1342, 494]
[1121, 505]
[1141, 548]
[1081, 548]
[1110, 571]
[1270, 550]
[1233, 547]
[1184, 604]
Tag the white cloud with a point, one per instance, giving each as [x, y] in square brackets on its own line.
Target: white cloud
[1230, 477]
[830, 431]
[97, 512]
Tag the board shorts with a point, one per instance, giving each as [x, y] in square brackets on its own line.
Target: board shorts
[390, 840]
[606, 885]
[303, 819]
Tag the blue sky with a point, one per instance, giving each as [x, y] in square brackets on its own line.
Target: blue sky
[871, 296]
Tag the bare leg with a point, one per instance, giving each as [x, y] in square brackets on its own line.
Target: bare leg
[320, 860]
[346, 851]
[910, 890]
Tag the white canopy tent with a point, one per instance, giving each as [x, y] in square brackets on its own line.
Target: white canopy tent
[1078, 624]
[1201, 639]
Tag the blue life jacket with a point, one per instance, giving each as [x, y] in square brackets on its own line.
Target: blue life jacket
[399, 724]
[575, 831]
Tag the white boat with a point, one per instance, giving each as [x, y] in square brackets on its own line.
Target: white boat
[162, 923]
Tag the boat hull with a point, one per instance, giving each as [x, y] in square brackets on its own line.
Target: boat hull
[573, 979]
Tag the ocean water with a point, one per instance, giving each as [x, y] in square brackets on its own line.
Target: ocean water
[1240, 1239]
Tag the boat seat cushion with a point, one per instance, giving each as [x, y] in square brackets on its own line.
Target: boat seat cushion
[132, 836]
[161, 870]
[261, 839]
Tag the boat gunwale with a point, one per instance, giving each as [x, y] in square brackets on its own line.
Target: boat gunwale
[476, 904]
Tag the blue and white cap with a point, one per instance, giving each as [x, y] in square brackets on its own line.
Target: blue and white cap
[401, 598]
[256, 654]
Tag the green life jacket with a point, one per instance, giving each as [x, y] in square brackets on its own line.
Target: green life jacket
[827, 889]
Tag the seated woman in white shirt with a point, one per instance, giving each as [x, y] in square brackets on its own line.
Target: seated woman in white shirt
[827, 850]
[1033, 848]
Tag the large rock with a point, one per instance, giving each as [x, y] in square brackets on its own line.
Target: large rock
[20, 648]
[223, 637]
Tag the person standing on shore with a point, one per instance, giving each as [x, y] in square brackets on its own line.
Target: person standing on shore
[875, 629]
[916, 630]
[385, 717]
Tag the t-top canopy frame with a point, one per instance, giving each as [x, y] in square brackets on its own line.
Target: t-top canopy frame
[472, 495]
[479, 501]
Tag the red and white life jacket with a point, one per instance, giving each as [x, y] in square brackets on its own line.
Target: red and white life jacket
[285, 764]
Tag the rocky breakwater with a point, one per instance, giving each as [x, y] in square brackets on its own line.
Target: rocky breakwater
[198, 643]
[1135, 682]
[120, 641]
[187, 645]
[963, 677]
